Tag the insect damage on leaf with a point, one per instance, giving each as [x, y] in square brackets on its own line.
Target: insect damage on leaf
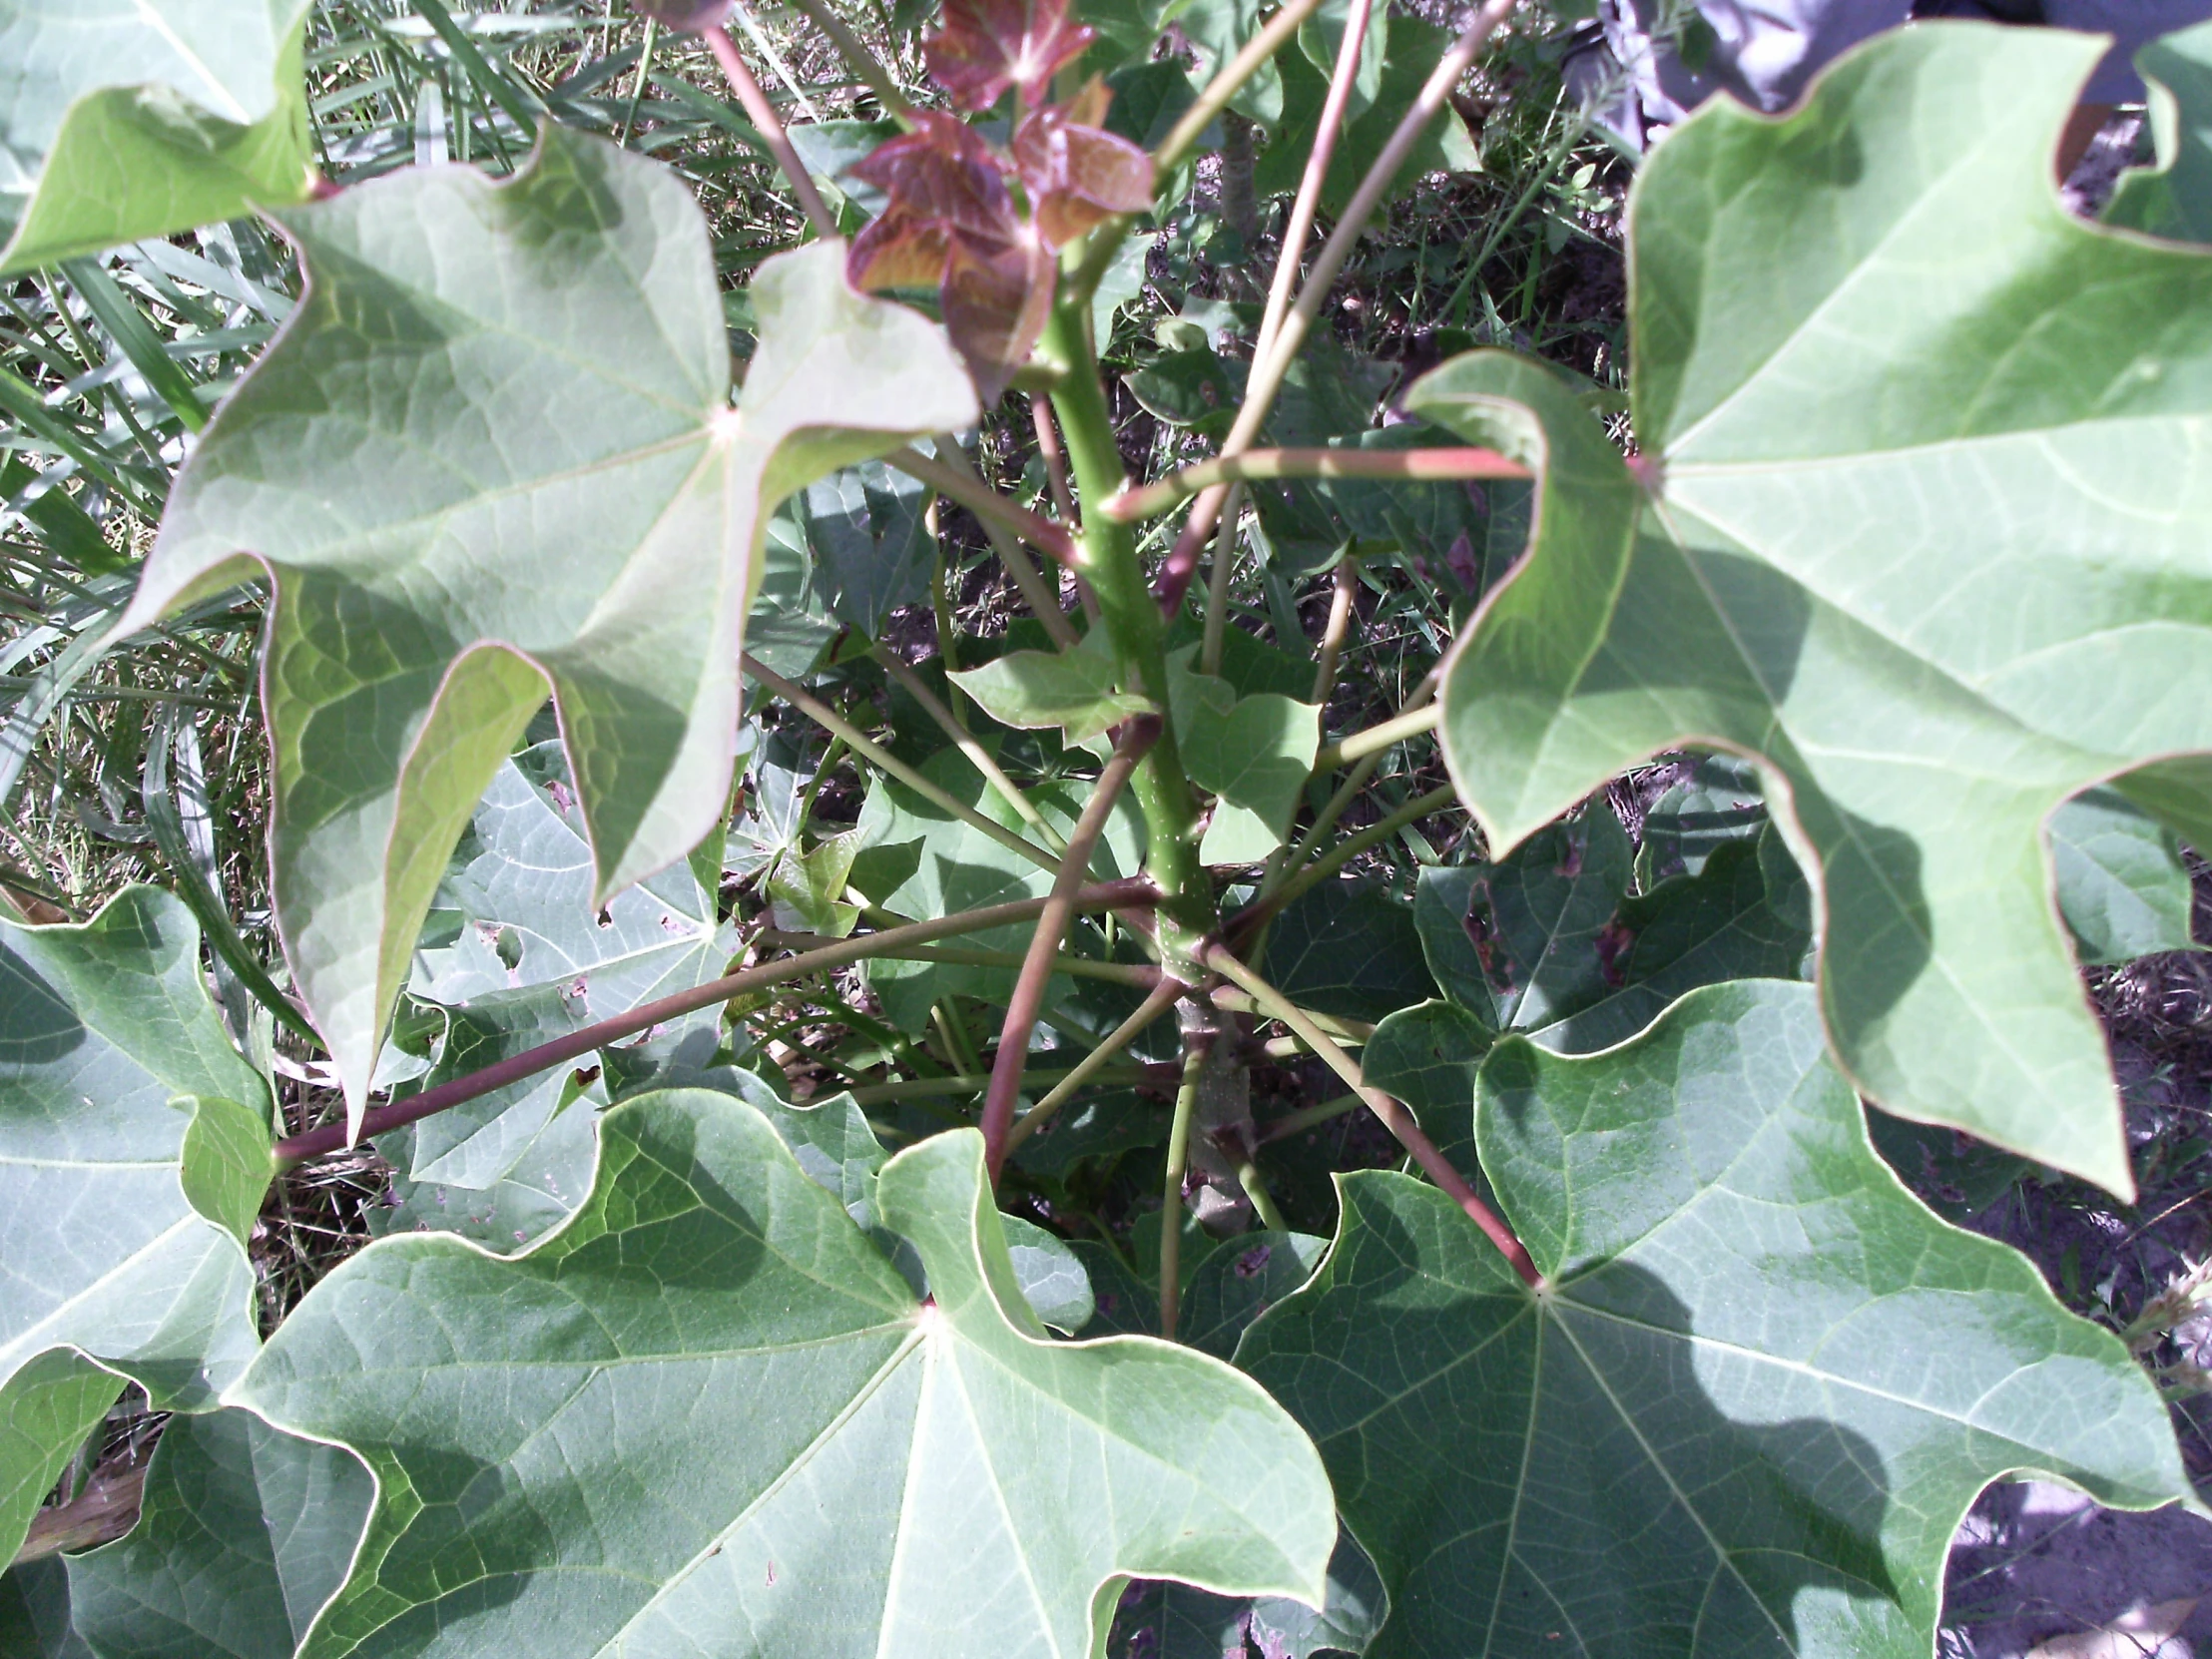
[986, 46]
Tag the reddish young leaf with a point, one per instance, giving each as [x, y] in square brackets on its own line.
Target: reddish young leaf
[996, 303]
[986, 46]
[950, 220]
[1075, 172]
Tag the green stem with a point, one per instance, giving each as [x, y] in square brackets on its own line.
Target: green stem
[1171, 1195]
[1107, 557]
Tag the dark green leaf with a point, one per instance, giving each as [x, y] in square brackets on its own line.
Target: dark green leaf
[244, 1533]
[1761, 1387]
[1350, 948]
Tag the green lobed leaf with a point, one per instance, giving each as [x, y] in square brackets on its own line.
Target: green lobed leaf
[137, 1150]
[1759, 1392]
[1412, 48]
[1255, 752]
[2174, 197]
[2122, 887]
[1350, 948]
[709, 1411]
[562, 498]
[244, 1533]
[1864, 545]
[1074, 691]
[873, 552]
[123, 120]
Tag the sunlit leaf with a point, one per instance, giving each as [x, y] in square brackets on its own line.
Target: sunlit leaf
[1073, 691]
[121, 120]
[1935, 551]
[1075, 173]
[710, 1409]
[444, 557]
[1760, 1389]
[136, 1151]
[982, 47]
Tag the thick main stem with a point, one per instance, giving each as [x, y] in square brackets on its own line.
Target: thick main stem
[1107, 557]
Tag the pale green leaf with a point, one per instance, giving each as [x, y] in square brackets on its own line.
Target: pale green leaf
[1917, 521]
[1254, 752]
[2173, 199]
[2122, 887]
[707, 1414]
[244, 1533]
[1759, 1392]
[1071, 689]
[562, 498]
[136, 1152]
[123, 120]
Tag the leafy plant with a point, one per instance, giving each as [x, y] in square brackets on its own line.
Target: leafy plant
[798, 1226]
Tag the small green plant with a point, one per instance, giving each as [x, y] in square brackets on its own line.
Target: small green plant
[768, 1025]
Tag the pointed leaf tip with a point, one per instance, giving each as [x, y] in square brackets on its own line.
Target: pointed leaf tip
[486, 545]
[848, 1456]
[1807, 568]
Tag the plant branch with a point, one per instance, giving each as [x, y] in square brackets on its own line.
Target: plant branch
[104, 1511]
[1307, 1117]
[381, 1120]
[1338, 627]
[1143, 976]
[1217, 580]
[1138, 634]
[987, 504]
[965, 741]
[1195, 1047]
[1268, 371]
[1412, 464]
[875, 753]
[1027, 1002]
[1163, 997]
[1267, 375]
[1055, 460]
[975, 1082]
[763, 115]
[1395, 1116]
[1376, 737]
[1300, 225]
